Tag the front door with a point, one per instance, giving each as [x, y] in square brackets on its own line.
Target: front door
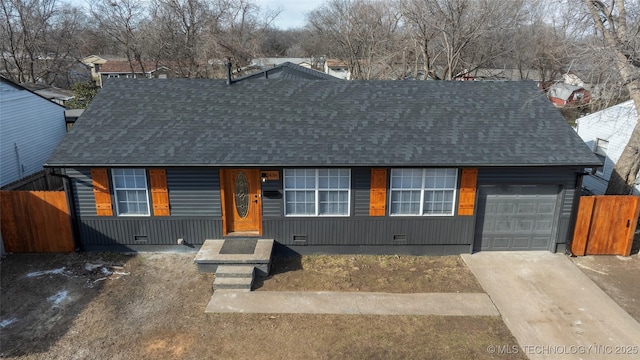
[241, 201]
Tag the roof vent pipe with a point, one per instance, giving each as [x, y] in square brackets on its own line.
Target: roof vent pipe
[229, 82]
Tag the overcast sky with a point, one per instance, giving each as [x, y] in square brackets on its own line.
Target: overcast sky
[292, 14]
[293, 11]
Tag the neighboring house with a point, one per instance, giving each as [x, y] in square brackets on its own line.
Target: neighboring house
[288, 71]
[572, 78]
[562, 94]
[30, 128]
[337, 68]
[607, 132]
[265, 63]
[389, 167]
[125, 69]
[94, 62]
[103, 68]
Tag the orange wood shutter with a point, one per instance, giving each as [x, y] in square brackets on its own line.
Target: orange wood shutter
[159, 192]
[378, 193]
[101, 192]
[468, 183]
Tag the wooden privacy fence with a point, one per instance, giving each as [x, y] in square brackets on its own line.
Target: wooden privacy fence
[35, 221]
[606, 225]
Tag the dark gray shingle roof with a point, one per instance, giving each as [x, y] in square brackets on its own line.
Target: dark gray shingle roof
[289, 71]
[188, 122]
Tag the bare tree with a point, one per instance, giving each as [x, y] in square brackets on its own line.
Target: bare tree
[445, 31]
[618, 25]
[121, 21]
[176, 34]
[362, 33]
[37, 39]
[240, 29]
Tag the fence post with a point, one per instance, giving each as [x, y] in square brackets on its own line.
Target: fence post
[583, 224]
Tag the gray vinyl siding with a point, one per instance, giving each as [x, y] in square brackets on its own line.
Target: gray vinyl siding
[30, 130]
[194, 196]
[372, 231]
[196, 216]
[359, 229]
[565, 178]
[194, 192]
[527, 175]
[82, 187]
[106, 231]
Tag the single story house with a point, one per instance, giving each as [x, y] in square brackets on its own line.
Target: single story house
[337, 68]
[607, 133]
[114, 69]
[562, 94]
[421, 167]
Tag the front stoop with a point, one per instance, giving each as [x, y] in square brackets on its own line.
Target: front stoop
[234, 277]
[234, 271]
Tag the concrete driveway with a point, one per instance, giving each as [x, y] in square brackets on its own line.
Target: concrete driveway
[553, 309]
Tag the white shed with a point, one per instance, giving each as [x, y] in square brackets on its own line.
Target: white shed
[607, 132]
[30, 128]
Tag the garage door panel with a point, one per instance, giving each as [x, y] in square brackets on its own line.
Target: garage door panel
[520, 242]
[540, 242]
[499, 242]
[524, 225]
[528, 207]
[504, 208]
[516, 217]
[505, 225]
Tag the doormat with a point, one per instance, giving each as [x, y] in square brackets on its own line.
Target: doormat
[237, 246]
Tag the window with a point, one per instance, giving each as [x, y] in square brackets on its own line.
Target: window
[423, 191]
[130, 188]
[317, 192]
[114, 76]
[601, 148]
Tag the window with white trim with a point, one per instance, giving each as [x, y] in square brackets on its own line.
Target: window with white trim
[601, 148]
[130, 189]
[423, 191]
[317, 192]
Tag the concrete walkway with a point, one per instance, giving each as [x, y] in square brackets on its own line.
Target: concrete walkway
[553, 309]
[470, 304]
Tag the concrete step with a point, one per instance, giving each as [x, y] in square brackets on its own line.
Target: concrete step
[227, 283]
[235, 271]
[210, 256]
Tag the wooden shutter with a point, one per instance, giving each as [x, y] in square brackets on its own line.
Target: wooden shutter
[159, 192]
[378, 193]
[101, 192]
[468, 184]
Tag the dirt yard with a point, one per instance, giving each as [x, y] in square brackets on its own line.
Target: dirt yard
[618, 276]
[397, 274]
[151, 306]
